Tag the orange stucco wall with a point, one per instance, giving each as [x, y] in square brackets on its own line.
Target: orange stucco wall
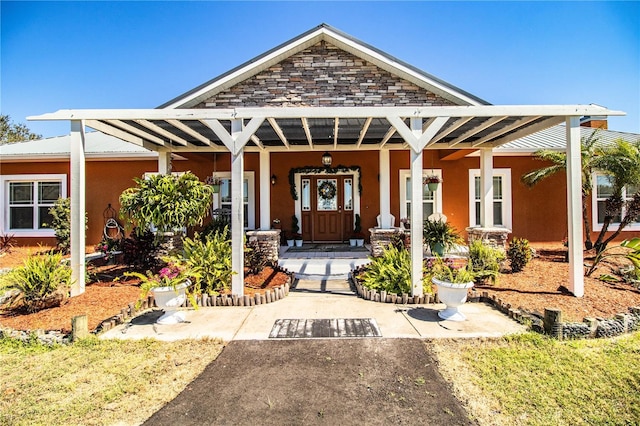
[539, 214]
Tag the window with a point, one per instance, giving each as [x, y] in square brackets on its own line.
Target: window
[501, 197]
[27, 200]
[431, 200]
[603, 189]
[223, 198]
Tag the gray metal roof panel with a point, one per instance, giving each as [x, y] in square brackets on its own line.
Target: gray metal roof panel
[555, 138]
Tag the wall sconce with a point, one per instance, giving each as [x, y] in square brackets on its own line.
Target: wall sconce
[274, 178]
[326, 159]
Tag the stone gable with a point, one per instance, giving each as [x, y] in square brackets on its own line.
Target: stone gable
[323, 75]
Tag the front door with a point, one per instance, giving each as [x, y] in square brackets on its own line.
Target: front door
[330, 217]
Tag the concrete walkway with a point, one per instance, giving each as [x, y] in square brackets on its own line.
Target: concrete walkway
[319, 299]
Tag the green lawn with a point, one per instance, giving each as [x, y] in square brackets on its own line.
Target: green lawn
[532, 380]
[95, 381]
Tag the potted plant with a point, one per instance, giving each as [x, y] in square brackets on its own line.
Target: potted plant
[295, 229]
[432, 182]
[452, 284]
[439, 236]
[214, 182]
[289, 239]
[357, 236]
[169, 289]
[168, 203]
[275, 223]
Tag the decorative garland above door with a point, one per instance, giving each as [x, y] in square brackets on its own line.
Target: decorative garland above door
[316, 169]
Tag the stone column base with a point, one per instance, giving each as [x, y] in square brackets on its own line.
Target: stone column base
[494, 237]
[268, 241]
[380, 238]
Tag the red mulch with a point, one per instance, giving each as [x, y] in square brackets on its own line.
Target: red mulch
[101, 300]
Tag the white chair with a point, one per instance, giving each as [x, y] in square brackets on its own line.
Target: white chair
[435, 217]
[388, 221]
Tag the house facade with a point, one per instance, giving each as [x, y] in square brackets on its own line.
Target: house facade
[324, 128]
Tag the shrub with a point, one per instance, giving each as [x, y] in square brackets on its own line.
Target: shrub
[219, 224]
[39, 278]
[484, 261]
[7, 242]
[391, 272]
[210, 259]
[519, 254]
[61, 223]
[255, 259]
[439, 232]
[141, 251]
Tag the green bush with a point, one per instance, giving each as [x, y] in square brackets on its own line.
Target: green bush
[484, 261]
[210, 259]
[519, 254]
[61, 223]
[391, 272]
[141, 251]
[437, 232]
[38, 278]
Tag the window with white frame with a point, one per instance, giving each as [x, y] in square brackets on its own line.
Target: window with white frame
[223, 198]
[431, 200]
[603, 189]
[27, 200]
[501, 197]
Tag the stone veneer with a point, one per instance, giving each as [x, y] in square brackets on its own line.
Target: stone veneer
[494, 237]
[380, 238]
[323, 75]
[268, 242]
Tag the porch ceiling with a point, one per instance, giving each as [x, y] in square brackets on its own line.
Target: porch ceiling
[325, 128]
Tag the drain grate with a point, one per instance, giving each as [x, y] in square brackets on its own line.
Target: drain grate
[335, 327]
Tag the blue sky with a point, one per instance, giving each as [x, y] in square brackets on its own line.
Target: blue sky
[59, 55]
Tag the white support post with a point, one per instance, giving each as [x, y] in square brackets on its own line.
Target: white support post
[78, 208]
[385, 185]
[265, 190]
[416, 213]
[237, 214]
[486, 186]
[164, 162]
[574, 207]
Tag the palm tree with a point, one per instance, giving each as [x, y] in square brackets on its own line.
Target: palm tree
[622, 163]
[589, 151]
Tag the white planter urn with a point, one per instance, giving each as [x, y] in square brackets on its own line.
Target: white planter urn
[298, 243]
[452, 295]
[353, 242]
[170, 299]
[360, 242]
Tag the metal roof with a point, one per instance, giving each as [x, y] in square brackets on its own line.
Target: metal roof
[97, 145]
[555, 138]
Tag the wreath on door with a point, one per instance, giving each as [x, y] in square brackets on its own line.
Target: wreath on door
[327, 190]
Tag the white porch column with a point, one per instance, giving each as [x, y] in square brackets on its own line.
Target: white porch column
[78, 207]
[574, 207]
[164, 162]
[265, 190]
[416, 212]
[486, 186]
[237, 214]
[385, 185]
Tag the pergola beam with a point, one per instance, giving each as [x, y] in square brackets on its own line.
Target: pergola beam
[276, 128]
[167, 134]
[188, 130]
[363, 131]
[129, 128]
[336, 124]
[475, 130]
[307, 131]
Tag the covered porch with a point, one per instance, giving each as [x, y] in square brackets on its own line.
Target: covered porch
[458, 130]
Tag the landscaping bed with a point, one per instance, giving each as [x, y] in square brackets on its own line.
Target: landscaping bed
[111, 295]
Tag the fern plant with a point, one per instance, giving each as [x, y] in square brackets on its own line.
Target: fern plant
[391, 272]
[38, 278]
[209, 259]
[484, 261]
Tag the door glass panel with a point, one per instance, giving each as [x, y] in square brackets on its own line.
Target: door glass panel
[348, 194]
[306, 194]
[327, 193]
